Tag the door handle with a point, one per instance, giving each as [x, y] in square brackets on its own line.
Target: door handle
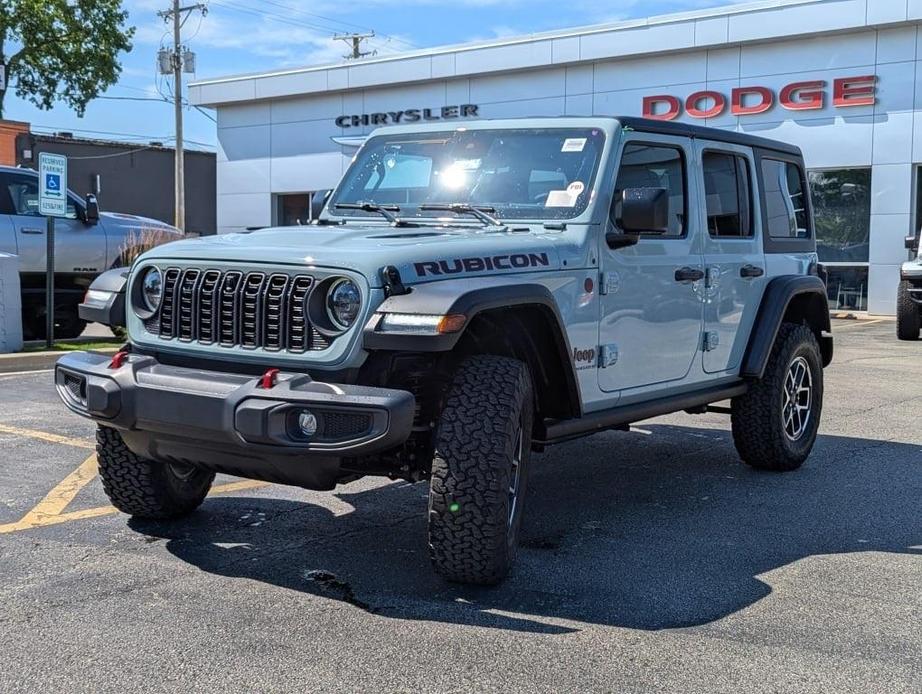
[689, 274]
[751, 271]
[32, 230]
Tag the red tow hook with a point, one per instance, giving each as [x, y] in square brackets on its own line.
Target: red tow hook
[269, 379]
[118, 359]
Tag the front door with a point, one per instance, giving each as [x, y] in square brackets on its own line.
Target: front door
[733, 253]
[650, 328]
[80, 249]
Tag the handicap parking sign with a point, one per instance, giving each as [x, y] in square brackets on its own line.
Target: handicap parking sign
[52, 194]
[52, 182]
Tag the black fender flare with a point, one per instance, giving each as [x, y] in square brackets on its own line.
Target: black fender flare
[469, 297]
[808, 292]
[110, 309]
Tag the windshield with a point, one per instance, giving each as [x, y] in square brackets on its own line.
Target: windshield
[515, 174]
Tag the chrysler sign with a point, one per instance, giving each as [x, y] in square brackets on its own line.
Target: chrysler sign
[747, 101]
[411, 115]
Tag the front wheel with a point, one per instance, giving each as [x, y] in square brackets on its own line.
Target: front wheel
[908, 314]
[776, 422]
[146, 488]
[479, 470]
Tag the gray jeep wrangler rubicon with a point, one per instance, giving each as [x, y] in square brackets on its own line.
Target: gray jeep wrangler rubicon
[470, 296]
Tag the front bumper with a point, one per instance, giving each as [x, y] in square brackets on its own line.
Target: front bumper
[230, 423]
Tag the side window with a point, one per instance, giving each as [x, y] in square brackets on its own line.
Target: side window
[785, 199]
[654, 166]
[728, 195]
[23, 192]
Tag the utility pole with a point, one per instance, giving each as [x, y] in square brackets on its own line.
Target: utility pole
[176, 62]
[356, 41]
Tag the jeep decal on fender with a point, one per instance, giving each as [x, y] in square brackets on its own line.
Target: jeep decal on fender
[455, 266]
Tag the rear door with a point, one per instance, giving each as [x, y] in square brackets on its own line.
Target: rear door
[79, 248]
[651, 311]
[733, 252]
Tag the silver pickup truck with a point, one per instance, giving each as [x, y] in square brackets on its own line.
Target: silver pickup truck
[87, 243]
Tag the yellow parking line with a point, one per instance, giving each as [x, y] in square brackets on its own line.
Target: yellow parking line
[58, 498]
[45, 436]
[49, 511]
[857, 324]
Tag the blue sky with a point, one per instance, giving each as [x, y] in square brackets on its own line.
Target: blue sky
[254, 35]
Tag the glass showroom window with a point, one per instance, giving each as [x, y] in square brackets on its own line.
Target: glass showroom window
[294, 210]
[842, 206]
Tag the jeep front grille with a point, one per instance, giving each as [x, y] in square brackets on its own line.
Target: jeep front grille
[253, 310]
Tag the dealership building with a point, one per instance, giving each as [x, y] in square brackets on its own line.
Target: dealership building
[839, 78]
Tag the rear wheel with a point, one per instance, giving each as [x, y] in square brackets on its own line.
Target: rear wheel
[776, 422]
[480, 469]
[146, 488]
[908, 314]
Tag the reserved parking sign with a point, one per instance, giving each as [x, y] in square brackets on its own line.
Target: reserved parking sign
[52, 192]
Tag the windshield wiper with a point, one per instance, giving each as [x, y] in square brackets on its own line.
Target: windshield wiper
[386, 211]
[481, 213]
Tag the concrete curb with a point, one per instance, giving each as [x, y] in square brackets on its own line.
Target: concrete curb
[37, 361]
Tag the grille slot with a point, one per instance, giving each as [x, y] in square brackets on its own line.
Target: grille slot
[298, 337]
[187, 311]
[167, 308]
[253, 310]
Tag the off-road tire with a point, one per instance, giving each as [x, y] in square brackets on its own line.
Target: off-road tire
[145, 488]
[67, 323]
[908, 314]
[472, 535]
[757, 417]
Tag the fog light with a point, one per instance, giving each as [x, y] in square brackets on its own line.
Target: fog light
[307, 423]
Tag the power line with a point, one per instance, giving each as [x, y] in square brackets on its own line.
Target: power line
[280, 18]
[336, 21]
[206, 114]
[133, 136]
[109, 156]
[134, 98]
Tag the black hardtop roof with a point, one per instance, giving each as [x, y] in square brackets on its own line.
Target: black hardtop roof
[649, 125]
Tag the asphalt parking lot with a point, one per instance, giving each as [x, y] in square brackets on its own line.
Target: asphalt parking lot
[652, 561]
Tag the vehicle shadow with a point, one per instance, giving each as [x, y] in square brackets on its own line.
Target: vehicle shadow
[652, 529]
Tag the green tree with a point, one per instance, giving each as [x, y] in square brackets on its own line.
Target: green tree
[61, 50]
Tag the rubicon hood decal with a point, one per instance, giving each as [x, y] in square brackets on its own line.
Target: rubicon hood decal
[490, 263]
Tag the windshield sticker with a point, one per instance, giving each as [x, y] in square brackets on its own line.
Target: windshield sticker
[576, 188]
[561, 198]
[467, 164]
[574, 144]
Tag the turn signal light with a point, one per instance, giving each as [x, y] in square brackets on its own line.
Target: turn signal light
[416, 324]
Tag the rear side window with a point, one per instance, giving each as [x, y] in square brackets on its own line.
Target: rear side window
[23, 192]
[728, 193]
[785, 199]
[654, 166]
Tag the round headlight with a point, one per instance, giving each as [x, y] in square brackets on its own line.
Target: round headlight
[344, 301]
[152, 289]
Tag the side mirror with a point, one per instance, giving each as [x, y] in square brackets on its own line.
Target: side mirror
[318, 202]
[912, 243]
[642, 211]
[92, 209]
[105, 301]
